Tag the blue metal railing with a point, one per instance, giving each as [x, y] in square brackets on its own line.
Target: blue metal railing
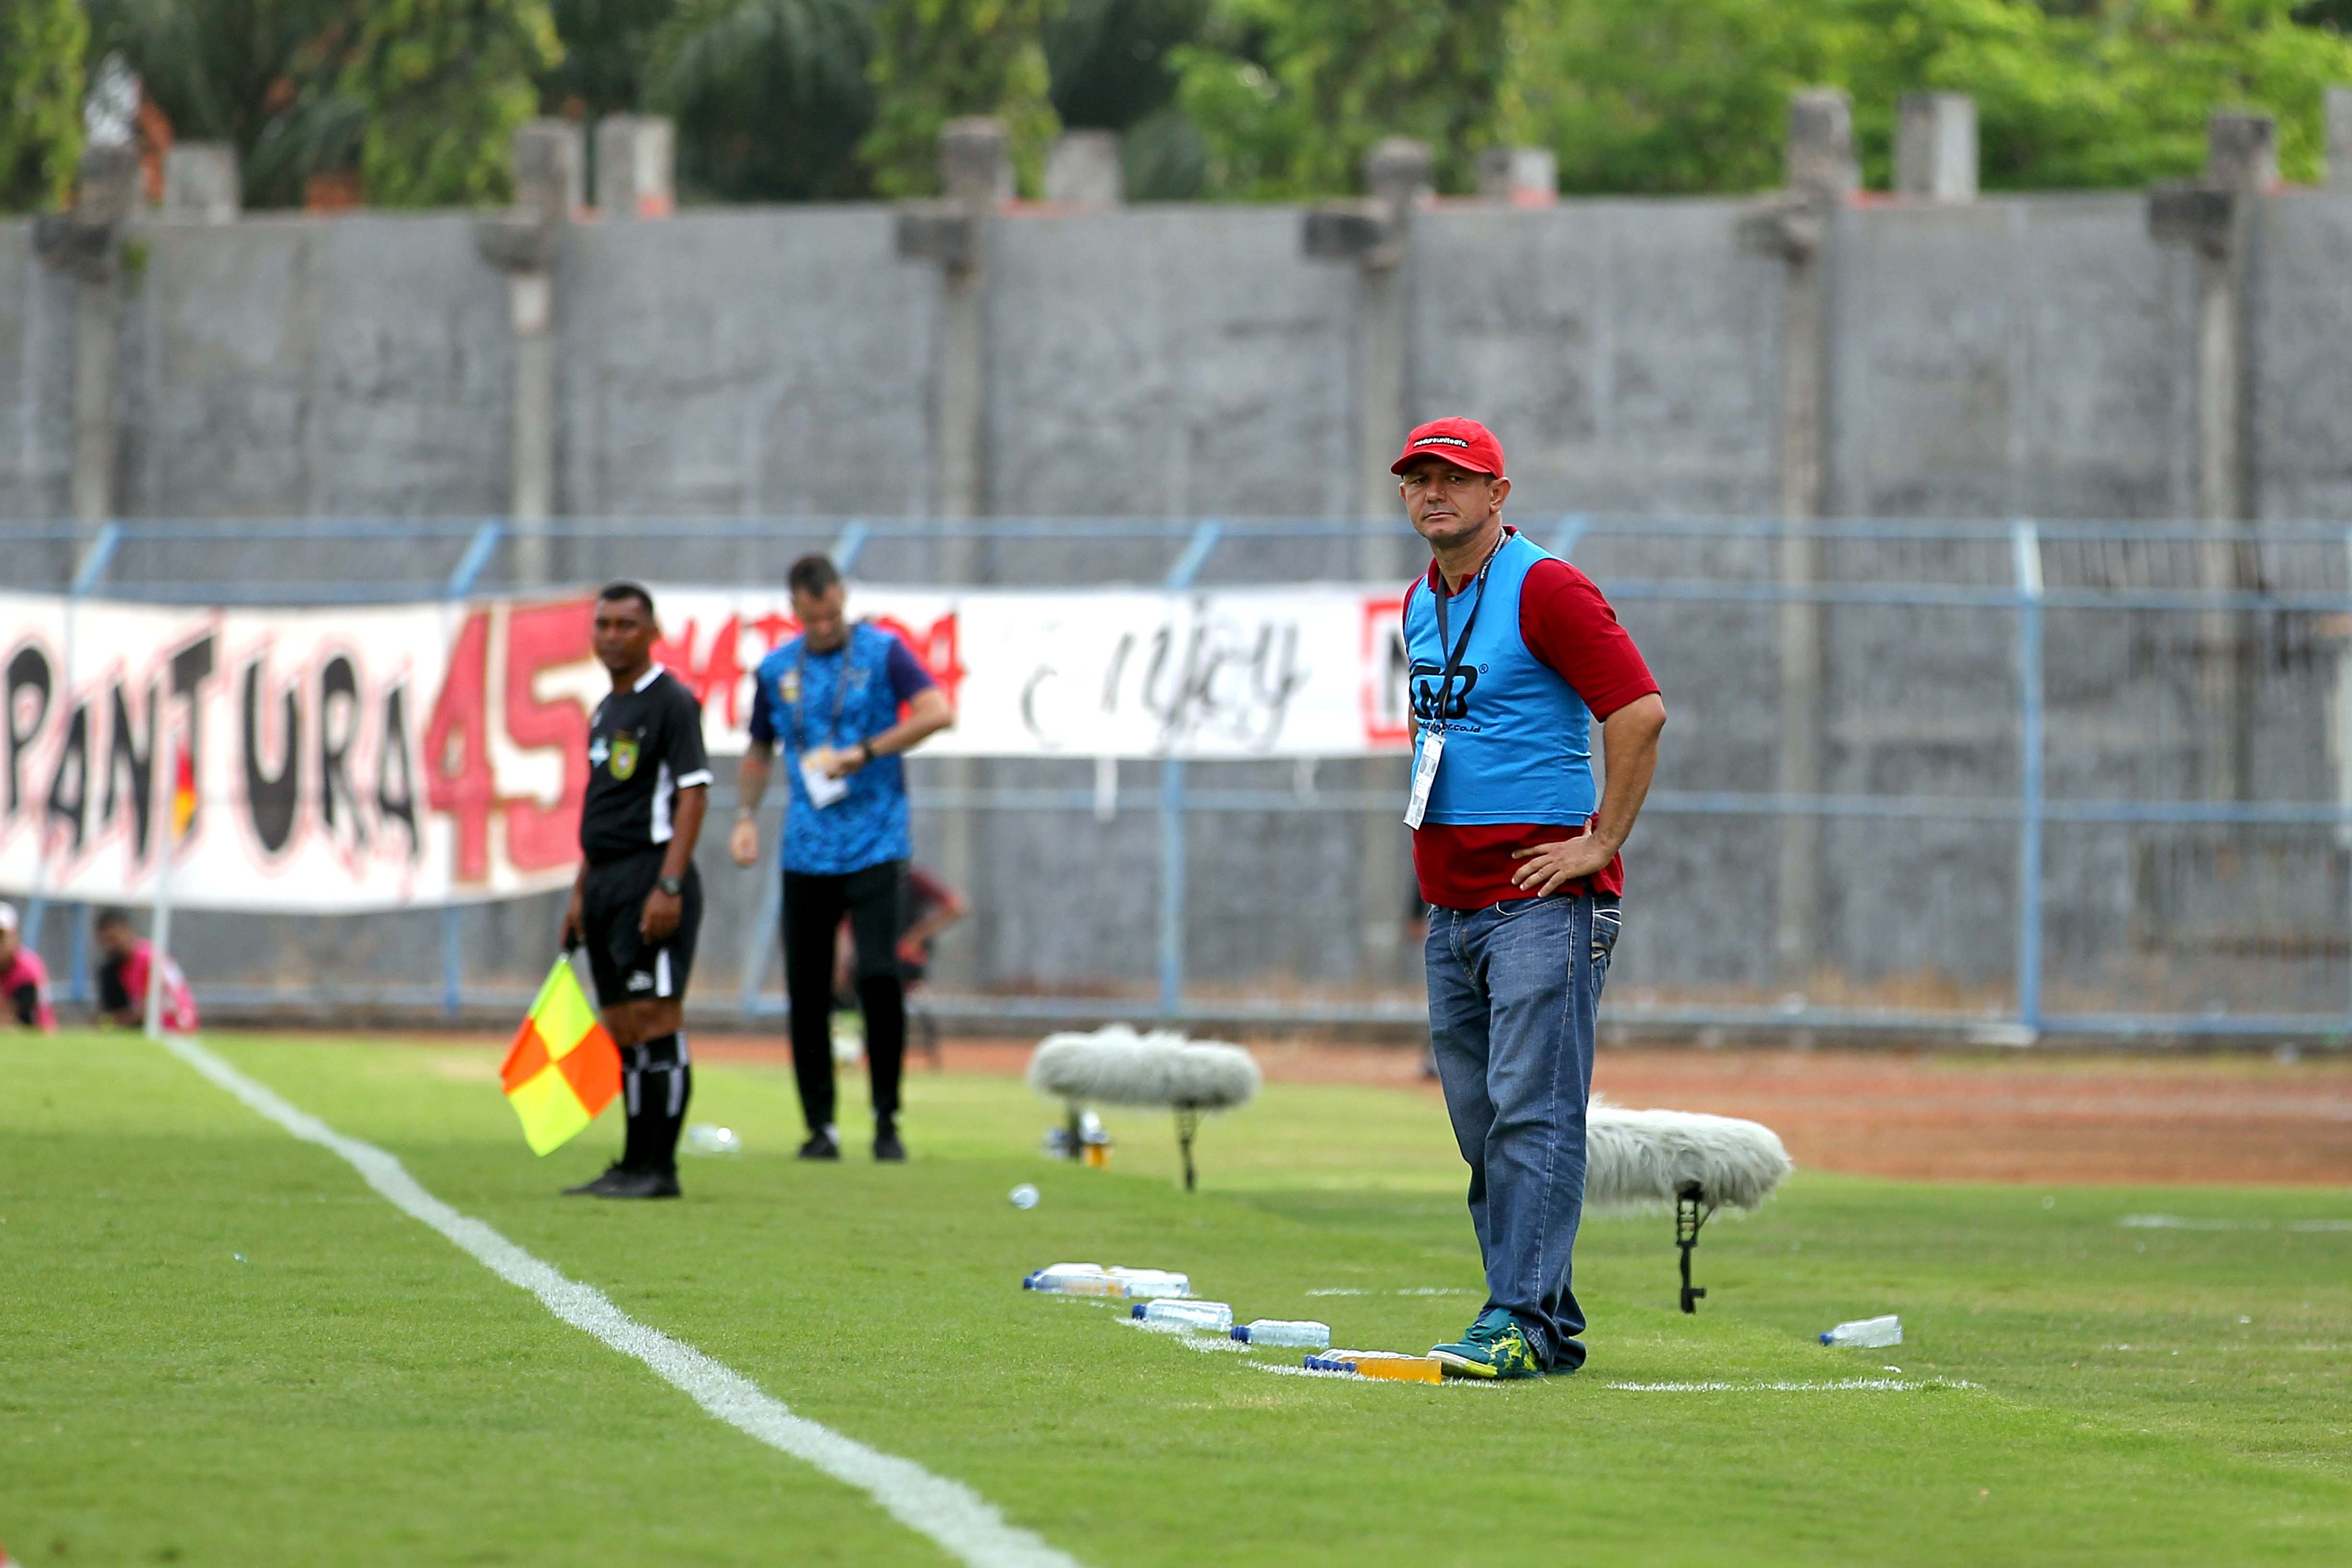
[2026, 594]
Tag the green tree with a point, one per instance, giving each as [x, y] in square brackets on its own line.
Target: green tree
[1109, 60]
[770, 96]
[936, 59]
[42, 44]
[1290, 94]
[443, 84]
[1693, 97]
[608, 46]
[1112, 64]
[263, 75]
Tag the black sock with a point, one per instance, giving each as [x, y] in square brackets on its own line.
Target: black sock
[660, 1083]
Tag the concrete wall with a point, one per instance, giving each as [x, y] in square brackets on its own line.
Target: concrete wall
[304, 367]
[37, 371]
[2018, 356]
[746, 362]
[1626, 351]
[2024, 355]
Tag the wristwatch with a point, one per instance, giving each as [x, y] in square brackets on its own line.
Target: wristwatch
[674, 886]
[865, 752]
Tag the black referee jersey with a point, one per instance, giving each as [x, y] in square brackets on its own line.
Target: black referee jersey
[645, 744]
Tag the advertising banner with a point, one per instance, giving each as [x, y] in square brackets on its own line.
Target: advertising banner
[340, 761]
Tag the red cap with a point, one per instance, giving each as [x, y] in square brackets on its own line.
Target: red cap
[1465, 443]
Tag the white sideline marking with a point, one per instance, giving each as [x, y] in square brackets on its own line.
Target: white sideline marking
[2175, 1222]
[1190, 1339]
[963, 1524]
[1842, 1386]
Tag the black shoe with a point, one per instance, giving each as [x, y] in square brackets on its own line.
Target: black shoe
[887, 1147]
[642, 1185]
[820, 1146]
[602, 1185]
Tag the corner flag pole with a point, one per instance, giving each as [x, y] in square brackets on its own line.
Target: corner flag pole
[164, 801]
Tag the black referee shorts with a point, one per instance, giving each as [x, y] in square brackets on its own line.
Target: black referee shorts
[611, 902]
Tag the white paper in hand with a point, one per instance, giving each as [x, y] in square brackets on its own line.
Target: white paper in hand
[823, 788]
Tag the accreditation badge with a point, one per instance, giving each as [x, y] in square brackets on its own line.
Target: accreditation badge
[1425, 773]
[788, 687]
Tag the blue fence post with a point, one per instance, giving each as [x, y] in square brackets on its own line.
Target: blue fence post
[86, 576]
[1172, 886]
[763, 927]
[2026, 545]
[1183, 574]
[1571, 529]
[850, 545]
[470, 566]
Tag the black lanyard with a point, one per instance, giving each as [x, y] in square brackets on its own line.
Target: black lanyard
[1452, 664]
[840, 690]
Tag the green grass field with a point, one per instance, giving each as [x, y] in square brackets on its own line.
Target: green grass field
[218, 1346]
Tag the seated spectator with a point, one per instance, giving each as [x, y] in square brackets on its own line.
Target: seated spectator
[122, 978]
[24, 978]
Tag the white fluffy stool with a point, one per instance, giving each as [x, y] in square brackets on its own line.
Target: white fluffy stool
[1116, 1065]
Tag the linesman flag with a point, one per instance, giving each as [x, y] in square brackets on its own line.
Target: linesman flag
[562, 1068]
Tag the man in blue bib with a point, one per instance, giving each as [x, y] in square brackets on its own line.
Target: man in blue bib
[832, 696]
[1513, 654]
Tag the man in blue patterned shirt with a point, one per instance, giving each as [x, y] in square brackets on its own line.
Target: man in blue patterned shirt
[833, 697]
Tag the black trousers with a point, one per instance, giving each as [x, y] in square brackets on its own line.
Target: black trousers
[873, 899]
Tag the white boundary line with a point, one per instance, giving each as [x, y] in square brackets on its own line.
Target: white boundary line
[962, 1521]
[1842, 1386]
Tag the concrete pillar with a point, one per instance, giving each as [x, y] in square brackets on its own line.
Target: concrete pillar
[550, 170]
[2339, 138]
[1519, 176]
[1822, 173]
[976, 163]
[1083, 170]
[2242, 163]
[1399, 175]
[200, 182]
[549, 185]
[1935, 147]
[976, 173]
[85, 243]
[2241, 151]
[1820, 155]
[637, 167]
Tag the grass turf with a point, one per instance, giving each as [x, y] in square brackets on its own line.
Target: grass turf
[219, 1346]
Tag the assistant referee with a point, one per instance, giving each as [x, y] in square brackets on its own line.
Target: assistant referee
[637, 903]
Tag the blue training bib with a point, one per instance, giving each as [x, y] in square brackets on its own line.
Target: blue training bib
[1518, 737]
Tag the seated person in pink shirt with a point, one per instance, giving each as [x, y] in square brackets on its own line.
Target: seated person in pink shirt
[24, 978]
[122, 978]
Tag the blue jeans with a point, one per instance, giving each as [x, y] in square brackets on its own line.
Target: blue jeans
[1513, 991]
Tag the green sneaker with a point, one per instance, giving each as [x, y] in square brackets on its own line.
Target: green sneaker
[1496, 1346]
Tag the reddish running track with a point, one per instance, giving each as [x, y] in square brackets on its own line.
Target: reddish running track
[1957, 1118]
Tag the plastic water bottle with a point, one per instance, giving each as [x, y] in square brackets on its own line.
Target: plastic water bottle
[1072, 1279]
[1024, 1196]
[1865, 1333]
[702, 1138]
[1176, 1312]
[1302, 1335]
[1149, 1284]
